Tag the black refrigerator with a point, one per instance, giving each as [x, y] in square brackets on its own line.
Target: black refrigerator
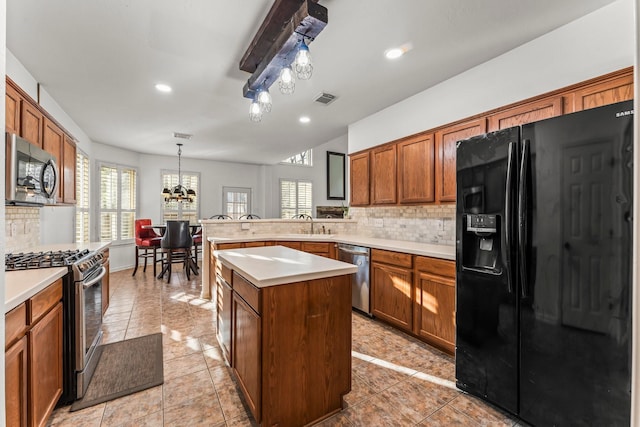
[543, 265]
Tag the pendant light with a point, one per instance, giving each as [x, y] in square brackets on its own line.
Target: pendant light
[287, 81]
[302, 63]
[179, 193]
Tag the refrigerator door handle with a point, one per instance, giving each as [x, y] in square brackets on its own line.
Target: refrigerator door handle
[522, 219]
[508, 226]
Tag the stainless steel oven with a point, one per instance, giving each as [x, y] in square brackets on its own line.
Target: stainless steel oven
[88, 322]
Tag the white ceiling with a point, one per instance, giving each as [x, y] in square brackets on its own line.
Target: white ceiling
[100, 59]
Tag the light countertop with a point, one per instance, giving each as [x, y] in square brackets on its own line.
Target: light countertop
[276, 265]
[415, 248]
[22, 285]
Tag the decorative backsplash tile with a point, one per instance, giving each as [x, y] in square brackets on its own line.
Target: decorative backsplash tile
[425, 224]
[22, 228]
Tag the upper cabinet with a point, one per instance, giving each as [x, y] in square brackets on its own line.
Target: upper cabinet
[31, 123]
[383, 175]
[527, 113]
[25, 117]
[606, 92]
[416, 169]
[446, 155]
[12, 105]
[52, 140]
[68, 169]
[359, 179]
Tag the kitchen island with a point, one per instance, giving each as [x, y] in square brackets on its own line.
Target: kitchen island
[284, 323]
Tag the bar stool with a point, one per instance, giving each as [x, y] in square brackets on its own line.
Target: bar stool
[249, 216]
[197, 246]
[176, 244]
[147, 244]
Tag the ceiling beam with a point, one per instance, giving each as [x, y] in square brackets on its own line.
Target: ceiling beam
[308, 19]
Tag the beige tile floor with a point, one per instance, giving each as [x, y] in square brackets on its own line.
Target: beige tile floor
[396, 381]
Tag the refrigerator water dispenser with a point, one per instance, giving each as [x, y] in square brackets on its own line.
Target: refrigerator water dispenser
[481, 242]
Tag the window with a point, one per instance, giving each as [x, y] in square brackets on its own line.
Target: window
[302, 159]
[181, 210]
[295, 198]
[236, 201]
[82, 197]
[117, 202]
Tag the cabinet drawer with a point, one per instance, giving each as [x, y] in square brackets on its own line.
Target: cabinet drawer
[253, 244]
[293, 245]
[315, 247]
[226, 273]
[393, 258]
[223, 246]
[247, 291]
[44, 300]
[15, 324]
[439, 267]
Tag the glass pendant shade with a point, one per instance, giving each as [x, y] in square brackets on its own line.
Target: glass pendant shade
[264, 99]
[287, 81]
[302, 63]
[255, 112]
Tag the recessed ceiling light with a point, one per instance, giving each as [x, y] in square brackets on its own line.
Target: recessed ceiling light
[161, 87]
[304, 119]
[397, 52]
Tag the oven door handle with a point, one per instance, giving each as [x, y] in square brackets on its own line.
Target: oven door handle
[93, 281]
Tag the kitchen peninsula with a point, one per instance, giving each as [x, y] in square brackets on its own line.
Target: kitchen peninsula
[284, 324]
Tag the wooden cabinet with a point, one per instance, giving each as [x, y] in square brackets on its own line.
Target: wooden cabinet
[45, 366]
[527, 113]
[246, 354]
[603, 93]
[15, 383]
[224, 313]
[435, 299]
[416, 169]
[15, 371]
[68, 171]
[12, 105]
[446, 155]
[33, 357]
[392, 288]
[324, 249]
[383, 175]
[31, 123]
[52, 143]
[359, 179]
[293, 245]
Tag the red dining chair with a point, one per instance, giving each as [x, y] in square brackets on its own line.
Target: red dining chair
[147, 245]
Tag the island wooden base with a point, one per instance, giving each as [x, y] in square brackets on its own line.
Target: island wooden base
[289, 346]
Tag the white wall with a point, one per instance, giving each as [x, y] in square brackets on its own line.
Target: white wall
[316, 174]
[3, 67]
[591, 46]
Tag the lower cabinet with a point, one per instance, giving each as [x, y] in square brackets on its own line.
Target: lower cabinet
[224, 315]
[247, 352]
[15, 383]
[416, 294]
[391, 288]
[33, 358]
[435, 302]
[45, 367]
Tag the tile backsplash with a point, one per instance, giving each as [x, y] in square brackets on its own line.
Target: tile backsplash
[425, 224]
[22, 228]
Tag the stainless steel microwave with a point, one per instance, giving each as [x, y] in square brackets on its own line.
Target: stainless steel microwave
[32, 176]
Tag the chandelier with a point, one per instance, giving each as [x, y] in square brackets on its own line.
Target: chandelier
[179, 193]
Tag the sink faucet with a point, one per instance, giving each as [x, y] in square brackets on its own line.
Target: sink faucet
[310, 219]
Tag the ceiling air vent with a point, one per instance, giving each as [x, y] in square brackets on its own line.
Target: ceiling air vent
[325, 98]
[182, 135]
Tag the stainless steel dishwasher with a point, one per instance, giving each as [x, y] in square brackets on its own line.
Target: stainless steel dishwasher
[360, 288]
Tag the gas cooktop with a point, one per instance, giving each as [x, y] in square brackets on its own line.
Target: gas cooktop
[32, 260]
